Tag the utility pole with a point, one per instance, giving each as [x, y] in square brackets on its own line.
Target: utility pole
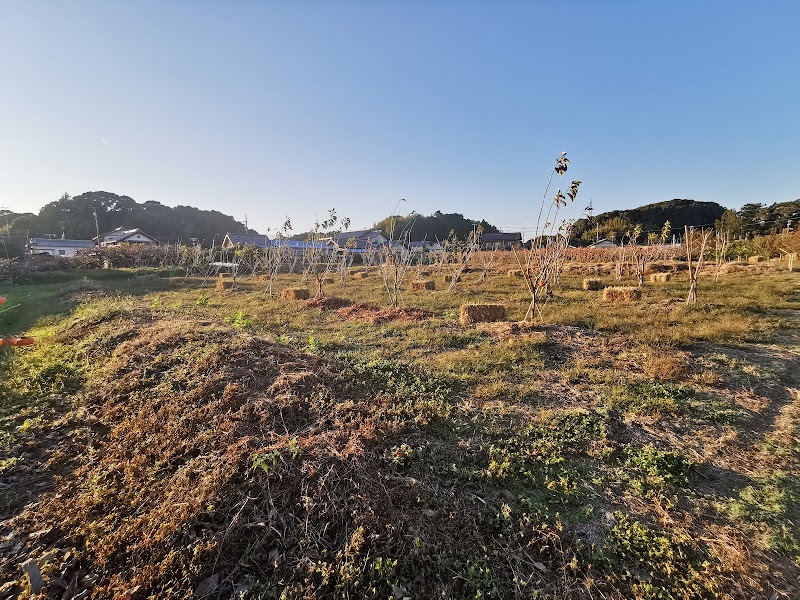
[96, 227]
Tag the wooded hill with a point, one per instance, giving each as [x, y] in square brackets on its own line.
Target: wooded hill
[74, 216]
[650, 217]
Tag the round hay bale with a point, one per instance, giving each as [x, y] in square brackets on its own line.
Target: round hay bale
[482, 313]
[295, 294]
[660, 277]
[593, 285]
[360, 275]
[449, 278]
[621, 294]
[423, 284]
[755, 259]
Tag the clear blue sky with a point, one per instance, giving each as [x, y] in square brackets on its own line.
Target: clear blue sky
[290, 108]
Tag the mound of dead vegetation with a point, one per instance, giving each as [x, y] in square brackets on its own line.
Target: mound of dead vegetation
[202, 460]
[376, 315]
[327, 303]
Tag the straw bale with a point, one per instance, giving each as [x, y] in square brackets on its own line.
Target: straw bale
[660, 277]
[449, 278]
[621, 293]
[593, 284]
[224, 284]
[361, 275]
[295, 294]
[732, 268]
[482, 313]
[755, 259]
[423, 284]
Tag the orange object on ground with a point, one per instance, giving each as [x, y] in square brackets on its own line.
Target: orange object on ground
[23, 341]
[4, 342]
[2, 299]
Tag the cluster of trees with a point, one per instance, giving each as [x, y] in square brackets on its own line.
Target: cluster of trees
[75, 218]
[759, 219]
[437, 226]
[650, 218]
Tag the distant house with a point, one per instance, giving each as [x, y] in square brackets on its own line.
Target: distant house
[360, 240]
[299, 247]
[125, 236]
[240, 240]
[500, 241]
[58, 246]
[420, 247]
[604, 243]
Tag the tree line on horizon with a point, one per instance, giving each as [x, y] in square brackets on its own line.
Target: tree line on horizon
[75, 218]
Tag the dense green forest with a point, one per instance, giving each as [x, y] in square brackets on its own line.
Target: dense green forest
[74, 217]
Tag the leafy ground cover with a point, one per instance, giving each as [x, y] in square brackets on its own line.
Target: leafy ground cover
[163, 439]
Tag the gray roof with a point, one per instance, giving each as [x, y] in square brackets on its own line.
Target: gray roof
[360, 237]
[298, 244]
[61, 243]
[248, 239]
[120, 234]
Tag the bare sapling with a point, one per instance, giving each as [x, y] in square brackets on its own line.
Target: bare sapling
[721, 242]
[460, 254]
[277, 255]
[701, 243]
[641, 255]
[541, 266]
[320, 257]
[394, 263]
[345, 261]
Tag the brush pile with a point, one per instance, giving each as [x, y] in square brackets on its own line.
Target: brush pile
[423, 284]
[203, 460]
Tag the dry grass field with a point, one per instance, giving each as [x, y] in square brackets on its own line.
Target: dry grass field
[165, 439]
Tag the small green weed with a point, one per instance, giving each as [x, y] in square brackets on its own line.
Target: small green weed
[658, 467]
[202, 300]
[644, 398]
[240, 320]
[665, 567]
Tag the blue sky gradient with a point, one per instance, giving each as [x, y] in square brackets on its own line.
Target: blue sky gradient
[290, 108]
